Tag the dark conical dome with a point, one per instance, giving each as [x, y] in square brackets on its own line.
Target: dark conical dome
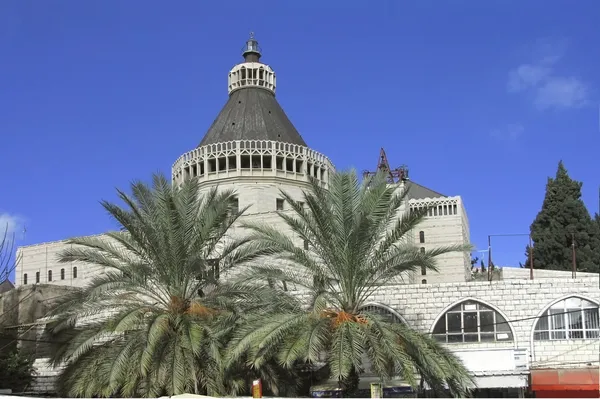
[252, 111]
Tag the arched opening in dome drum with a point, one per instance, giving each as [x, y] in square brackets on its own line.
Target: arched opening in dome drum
[231, 163]
[289, 164]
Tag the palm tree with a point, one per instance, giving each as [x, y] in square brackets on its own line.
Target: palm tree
[356, 235]
[153, 323]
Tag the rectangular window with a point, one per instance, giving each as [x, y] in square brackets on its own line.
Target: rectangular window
[75, 272]
[306, 245]
[236, 205]
[454, 322]
[279, 204]
[37, 277]
[25, 279]
[62, 274]
[470, 321]
[49, 275]
[423, 271]
[486, 321]
[421, 237]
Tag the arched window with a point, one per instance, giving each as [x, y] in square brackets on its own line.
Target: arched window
[49, 275]
[75, 272]
[424, 281]
[62, 274]
[382, 311]
[37, 277]
[422, 237]
[472, 321]
[571, 318]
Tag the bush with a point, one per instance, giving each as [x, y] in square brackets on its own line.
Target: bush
[16, 371]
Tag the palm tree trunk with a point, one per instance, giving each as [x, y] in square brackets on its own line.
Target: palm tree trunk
[349, 384]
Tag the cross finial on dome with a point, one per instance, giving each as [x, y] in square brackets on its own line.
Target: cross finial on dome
[251, 50]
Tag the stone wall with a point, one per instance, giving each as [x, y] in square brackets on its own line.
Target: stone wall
[521, 302]
[20, 308]
[41, 260]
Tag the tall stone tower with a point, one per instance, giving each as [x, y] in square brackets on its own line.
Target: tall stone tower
[252, 146]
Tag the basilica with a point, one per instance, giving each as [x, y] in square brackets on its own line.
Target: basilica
[520, 334]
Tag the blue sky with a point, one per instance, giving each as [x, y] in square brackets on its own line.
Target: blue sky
[479, 99]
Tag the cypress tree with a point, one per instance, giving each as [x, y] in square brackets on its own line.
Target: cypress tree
[562, 218]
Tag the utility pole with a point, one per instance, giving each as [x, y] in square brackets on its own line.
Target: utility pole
[530, 258]
[490, 263]
[489, 258]
[574, 270]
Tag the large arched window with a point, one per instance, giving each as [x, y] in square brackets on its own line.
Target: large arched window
[472, 321]
[571, 318]
[382, 311]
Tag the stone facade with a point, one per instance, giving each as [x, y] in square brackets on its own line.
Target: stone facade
[521, 302]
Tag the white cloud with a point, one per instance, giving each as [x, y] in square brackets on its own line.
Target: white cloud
[11, 223]
[547, 88]
[527, 76]
[509, 133]
[561, 92]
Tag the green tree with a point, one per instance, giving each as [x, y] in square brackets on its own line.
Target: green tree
[154, 323]
[563, 217]
[16, 370]
[356, 240]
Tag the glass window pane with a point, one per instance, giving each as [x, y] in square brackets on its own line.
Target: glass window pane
[453, 338]
[573, 303]
[440, 326]
[440, 337]
[591, 319]
[456, 308]
[587, 304]
[486, 321]
[575, 320]
[470, 320]
[592, 334]
[576, 334]
[471, 337]
[454, 322]
[486, 337]
[542, 324]
[541, 335]
[558, 319]
[558, 335]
